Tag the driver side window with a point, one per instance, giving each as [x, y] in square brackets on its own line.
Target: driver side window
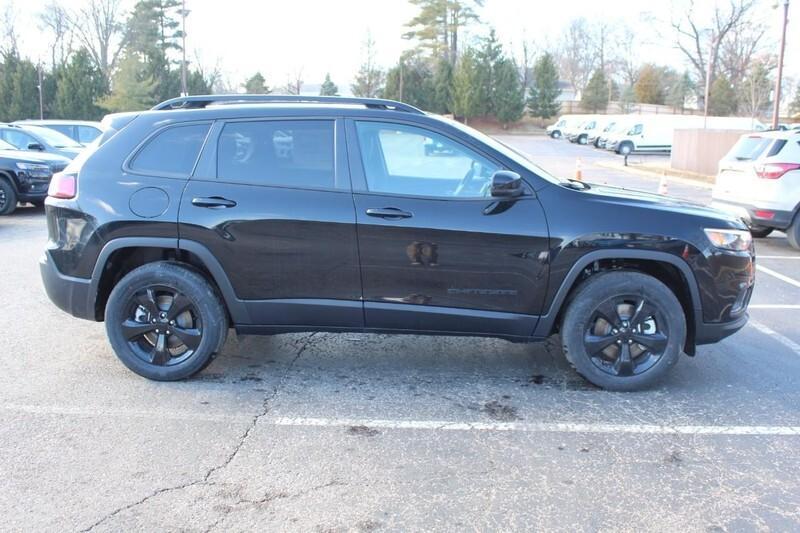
[412, 161]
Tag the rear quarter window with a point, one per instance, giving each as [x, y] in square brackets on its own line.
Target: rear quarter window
[749, 148]
[172, 152]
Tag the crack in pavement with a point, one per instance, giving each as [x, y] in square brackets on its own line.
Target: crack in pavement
[204, 480]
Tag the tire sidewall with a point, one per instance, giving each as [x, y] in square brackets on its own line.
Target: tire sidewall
[597, 289]
[193, 287]
[11, 197]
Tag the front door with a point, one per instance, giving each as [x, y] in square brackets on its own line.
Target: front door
[271, 200]
[438, 253]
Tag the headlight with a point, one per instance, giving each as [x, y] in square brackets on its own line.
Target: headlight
[35, 170]
[730, 239]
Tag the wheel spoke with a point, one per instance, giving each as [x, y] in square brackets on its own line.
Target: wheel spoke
[623, 366]
[608, 312]
[655, 343]
[161, 354]
[180, 303]
[147, 300]
[132, 329]
[597, 343]
[189, 337]
[638, 312]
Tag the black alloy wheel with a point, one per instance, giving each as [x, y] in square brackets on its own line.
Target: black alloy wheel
[626, 335]
[162, 327]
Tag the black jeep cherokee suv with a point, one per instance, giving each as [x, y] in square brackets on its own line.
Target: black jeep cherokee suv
[282, 214]
[25, 176]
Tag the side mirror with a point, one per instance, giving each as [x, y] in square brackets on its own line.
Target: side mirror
[36, 146]
[506, 184]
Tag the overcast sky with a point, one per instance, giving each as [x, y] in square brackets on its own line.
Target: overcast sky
[279, 37]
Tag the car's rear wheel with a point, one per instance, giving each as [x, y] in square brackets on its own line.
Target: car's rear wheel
[556, 134]
[623, 330]
[760, 232]
[8, 198]
[165, 321]
[625, 148]
[793, 233]
[582, 139]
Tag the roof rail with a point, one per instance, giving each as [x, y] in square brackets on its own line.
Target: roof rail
[199, 102]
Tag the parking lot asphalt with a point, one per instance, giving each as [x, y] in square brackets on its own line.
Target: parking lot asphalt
[372, 432]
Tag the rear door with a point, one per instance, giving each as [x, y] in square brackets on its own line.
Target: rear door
[737, 180]
[271, 200]
[437, 252]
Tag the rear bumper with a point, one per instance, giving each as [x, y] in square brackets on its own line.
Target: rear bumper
[753, 215]
[710, 333]
[67, 293]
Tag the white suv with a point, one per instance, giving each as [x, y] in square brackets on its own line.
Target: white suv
[759, 180]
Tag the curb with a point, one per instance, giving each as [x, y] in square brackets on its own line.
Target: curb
[649, 173]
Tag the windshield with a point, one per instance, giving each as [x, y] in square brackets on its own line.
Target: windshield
[5, 146]
[53, 138]
[511, 153]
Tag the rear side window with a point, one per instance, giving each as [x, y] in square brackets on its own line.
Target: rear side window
[776, 148]
[60, 128]
[87, 134]
[749, 148]
[288, 153]
[173, 152]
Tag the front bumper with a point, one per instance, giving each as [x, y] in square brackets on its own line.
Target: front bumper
[67, 293]
[710, 333]
[752, 215]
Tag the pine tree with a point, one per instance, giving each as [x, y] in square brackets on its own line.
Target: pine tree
[544, 92]
[443, 87]
[438, 23]
[509, 96]
[488, 57]
[153, 33]
[256, 84]
[465, 90]
[411, 81]
[680, 92]
[80, 85]
[328, 88]
[24, 101]
[132, 87]
[723, 98]
[595, 95]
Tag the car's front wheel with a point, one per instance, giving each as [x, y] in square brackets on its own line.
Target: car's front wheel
[8, 198]
[625, 148]
[623, 330]
[165, 321]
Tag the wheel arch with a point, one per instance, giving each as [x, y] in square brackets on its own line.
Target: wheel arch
[120, 256]
[661, 265]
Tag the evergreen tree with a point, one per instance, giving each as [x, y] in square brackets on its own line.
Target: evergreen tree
[681, 91]
[544, 92]
[443, 87]
[723, 98]
[466, 94]
[153, 33]
[437, 25]
[24, 101]
[80, 85]
[509, 101]
[132, 87]
[627, 99]
[488, 57]
[328, 88]
[411, 81]
[595, 95]
[256, 84]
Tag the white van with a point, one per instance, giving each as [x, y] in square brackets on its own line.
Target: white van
[654, 133]
[556, 131]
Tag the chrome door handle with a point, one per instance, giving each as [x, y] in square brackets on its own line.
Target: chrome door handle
[213, 202]
[388, 213]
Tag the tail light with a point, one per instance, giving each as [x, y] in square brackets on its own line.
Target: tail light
[63, 185]
[773, 171]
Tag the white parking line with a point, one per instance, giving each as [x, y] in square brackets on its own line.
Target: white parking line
[786, 341]
[431, 425]
[533, 427]
[778, 275]
[773, 306]
[796, 257]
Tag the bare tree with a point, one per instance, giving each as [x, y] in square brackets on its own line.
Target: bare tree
[755, 86]
[577, 55]
[739, 51]
[700, 41]
[55, 20]
[100, 28]
[8, 30]
[525, 62]
[294, 82]
[370, 79]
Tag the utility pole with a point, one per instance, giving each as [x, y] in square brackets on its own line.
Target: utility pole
[184, 90]
[777, 105]
[41, 99]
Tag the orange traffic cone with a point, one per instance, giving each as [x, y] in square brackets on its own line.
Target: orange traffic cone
[662, 186]
[578, 170]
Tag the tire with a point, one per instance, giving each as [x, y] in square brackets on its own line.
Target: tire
[660, 323]
[8, 198]
[556, 134]
[793, 233]
[166, 298]
[625, 148]
[760, 232]
[582, 139]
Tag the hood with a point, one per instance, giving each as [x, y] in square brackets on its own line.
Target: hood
[69, 152]
[657, 201]
[24, 156]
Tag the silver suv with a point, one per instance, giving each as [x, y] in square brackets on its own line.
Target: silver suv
[759, 180]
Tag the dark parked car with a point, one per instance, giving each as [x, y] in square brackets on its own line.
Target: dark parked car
[25, 176]
[193, 217]
[39, 139]
[82, 131]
